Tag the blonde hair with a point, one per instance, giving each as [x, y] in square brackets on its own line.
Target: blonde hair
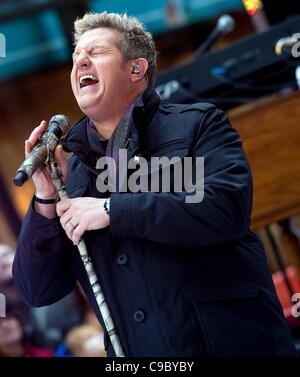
[135, 41]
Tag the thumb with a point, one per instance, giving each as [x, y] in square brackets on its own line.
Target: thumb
[59, 155]
[61, 160]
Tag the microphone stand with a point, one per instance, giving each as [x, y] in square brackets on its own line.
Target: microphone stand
[104, 310]
[205, 46]
[225, 25]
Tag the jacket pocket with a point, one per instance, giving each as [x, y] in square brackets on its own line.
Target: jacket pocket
[165, 166]
[232, 314]
[221, 289]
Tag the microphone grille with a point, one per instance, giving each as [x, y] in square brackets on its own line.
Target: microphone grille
[226, 23]
[62, 121]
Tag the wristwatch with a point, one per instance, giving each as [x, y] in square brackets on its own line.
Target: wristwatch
[106, 206]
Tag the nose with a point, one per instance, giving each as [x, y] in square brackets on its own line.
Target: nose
[82, 60]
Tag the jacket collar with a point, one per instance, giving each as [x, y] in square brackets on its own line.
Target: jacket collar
[144, 109]
[146, 106]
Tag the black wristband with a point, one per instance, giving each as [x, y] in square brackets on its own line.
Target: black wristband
[44, 201]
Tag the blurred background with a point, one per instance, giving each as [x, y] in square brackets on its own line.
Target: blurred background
[237, 54]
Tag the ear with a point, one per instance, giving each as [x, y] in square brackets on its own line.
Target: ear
[138, 70]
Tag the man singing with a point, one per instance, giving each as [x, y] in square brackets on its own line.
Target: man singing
[180, 278]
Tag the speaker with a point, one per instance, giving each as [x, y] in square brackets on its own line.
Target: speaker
[136, 69]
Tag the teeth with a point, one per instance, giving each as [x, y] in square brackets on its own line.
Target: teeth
[91, 77]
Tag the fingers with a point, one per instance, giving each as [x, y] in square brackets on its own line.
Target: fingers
[66, 218]
[34, 137]
[28, 147]
[63, 206]
[37, 132]
[68, 221]
[72, 227]
[77, 234]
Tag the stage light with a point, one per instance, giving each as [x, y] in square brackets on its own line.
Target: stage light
[252, 6]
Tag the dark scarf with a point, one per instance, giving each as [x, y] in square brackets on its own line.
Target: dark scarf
[120, 135]
[84, 141]
[119, 139]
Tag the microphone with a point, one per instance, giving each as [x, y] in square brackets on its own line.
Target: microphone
[59, 125]
[225, 25]
[289, 46]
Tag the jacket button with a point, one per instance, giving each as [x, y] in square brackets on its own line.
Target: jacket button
[122, 259]
[139, 316]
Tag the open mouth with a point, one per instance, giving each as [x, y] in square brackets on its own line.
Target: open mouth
[87, 80]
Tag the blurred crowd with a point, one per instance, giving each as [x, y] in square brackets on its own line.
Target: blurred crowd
[65, 329]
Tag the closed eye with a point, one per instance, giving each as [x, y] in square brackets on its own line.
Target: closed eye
[97, 52]
[93, 52]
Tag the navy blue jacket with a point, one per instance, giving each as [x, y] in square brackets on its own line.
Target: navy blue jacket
[180, 279]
